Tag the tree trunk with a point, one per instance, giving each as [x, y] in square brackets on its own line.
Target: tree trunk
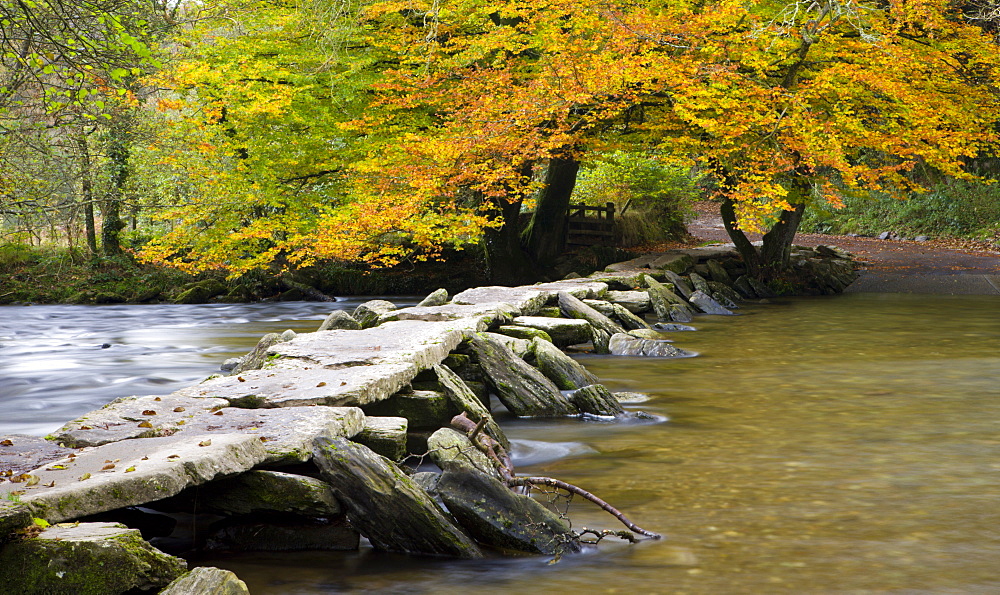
[506, 262]
[777, 248]
[118, 156]
[743, 245]
[545, 237]
[87, 193]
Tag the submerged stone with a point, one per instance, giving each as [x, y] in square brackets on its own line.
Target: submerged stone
[622, 344]
[86, 559]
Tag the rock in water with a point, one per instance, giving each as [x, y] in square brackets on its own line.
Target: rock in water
[367, 314]
[447, 447]
[667, 304]
[85, 559]
[256, 358]
[560, 368]
[629, 320]
[596, 399]
[571, 307]
[438, 297]
[706, 304]
[622, 344]
[524, 390]
[498, 517]
[339, 320]
[385, 505]
[466, 401]
[206, 580]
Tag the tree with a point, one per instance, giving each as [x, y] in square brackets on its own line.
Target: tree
[424, 126]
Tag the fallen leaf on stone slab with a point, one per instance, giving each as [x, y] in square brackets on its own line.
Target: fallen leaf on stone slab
[130, 469]
[108, 466]
[149, 412]
[157, 399]
[84, 476]
[178, 409]
[32, 481]
[145, 424]
[205, 442]
[51, 484]
[86, 428]
[320, 384]
[6, 443]
[217, 413]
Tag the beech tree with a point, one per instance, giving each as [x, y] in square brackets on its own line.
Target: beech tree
[425, 124]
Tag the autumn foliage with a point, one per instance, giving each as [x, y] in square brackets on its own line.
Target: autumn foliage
[390, 129]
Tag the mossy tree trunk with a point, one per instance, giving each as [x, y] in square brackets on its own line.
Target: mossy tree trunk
[118, 164]
[545, 237]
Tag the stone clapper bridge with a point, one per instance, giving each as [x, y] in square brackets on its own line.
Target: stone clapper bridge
[297, 448]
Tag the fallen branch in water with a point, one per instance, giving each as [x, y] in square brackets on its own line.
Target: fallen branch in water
[505, 468]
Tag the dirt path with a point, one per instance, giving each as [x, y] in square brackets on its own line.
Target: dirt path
[890, 266]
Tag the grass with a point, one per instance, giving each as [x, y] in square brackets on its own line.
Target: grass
[953, 209]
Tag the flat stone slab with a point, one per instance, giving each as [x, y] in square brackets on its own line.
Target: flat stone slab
[485, 315]
[411, 341]
[308, 385]
[564, 331]
[581, 289]
[340, 367]
[85, 558]
[287, 433]
[133, 417]
[634, 301]
[133, 472]
[528, 299]
[20, 453]
[641, 262]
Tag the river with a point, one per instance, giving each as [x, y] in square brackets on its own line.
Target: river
[845, 444]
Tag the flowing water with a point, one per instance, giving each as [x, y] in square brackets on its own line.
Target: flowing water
[826, 445]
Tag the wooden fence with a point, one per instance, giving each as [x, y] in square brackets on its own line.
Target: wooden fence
[586, 229]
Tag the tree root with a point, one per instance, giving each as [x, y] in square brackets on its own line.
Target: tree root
[505, 470]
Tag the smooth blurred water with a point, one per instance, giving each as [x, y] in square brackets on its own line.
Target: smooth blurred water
[58, 362]
[827, 445]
